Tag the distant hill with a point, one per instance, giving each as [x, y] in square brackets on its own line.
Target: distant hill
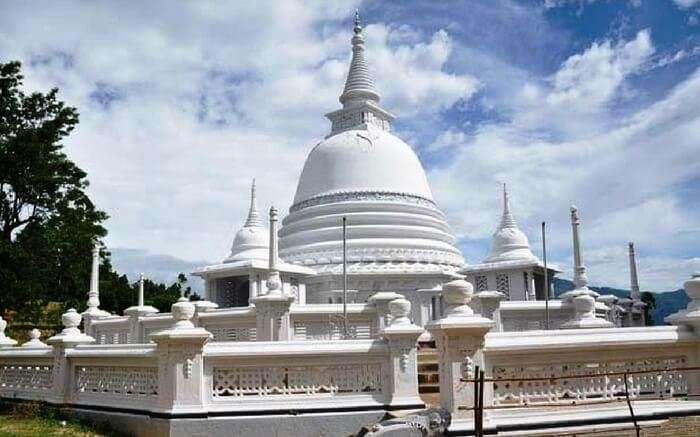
[667, 302]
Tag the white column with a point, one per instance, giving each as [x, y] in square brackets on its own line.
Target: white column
[141, 297]
[634, 282]
[93, 302]
[581, 298]
[580, 278]
[272, 308]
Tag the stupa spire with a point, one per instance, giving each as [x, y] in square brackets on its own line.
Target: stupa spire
[253, 216]
[359, 85]
[507, 220]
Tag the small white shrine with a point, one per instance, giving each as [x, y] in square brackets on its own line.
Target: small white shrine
[511, 268]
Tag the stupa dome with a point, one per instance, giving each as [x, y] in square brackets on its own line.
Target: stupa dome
[362, 172]
[362, 160]
[253, 239]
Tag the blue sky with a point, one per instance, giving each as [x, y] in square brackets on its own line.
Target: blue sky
[591, 102]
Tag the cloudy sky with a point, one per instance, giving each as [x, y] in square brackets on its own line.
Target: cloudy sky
[590, 102]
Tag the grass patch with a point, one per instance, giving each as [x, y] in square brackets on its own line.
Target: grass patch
[33, 419]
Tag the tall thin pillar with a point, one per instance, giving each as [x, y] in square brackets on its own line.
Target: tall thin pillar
[580, 277]
[634, 282]
[93, 303]
[581, 298]
[274, 283]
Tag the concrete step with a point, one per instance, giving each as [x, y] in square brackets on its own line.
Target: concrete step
[428, 372]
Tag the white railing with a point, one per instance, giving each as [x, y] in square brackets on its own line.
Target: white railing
[26, 374]
[297, 374]
[326, 322]
[578, 366]
[182, 372]
[113, 330]
[518, 316]
[307, 322]
[124, 376]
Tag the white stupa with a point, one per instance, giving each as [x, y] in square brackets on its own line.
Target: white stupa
[252, 240]
[509, 243]
[363, 172]
[511, 267]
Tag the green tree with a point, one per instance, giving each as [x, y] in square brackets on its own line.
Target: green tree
[48, 224]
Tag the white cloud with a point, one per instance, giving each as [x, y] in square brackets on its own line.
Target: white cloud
[686, 4]
[568, 145]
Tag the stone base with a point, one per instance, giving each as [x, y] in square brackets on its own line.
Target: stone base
[329, 424]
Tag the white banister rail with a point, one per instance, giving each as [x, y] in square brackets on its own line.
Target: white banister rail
[307, 322]
[296, 375]
[573, 367]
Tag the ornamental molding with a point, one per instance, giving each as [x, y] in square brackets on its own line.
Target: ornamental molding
[374, 255]
[363, 196]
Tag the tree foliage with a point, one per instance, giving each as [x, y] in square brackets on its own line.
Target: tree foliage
[47, 221]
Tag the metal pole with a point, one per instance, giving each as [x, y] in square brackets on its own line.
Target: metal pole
[480, 427]
[629, 404]
[546, 279]
[476, 401]
[345, 281]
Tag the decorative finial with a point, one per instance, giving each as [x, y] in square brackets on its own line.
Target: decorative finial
[5, 341]
[507, 219]
[358, 28]
[253, 216]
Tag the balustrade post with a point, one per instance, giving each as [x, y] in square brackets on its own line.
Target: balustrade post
[402, 335]
[5, 341]
[488, 302]
[61, 343]
[272, 317]
[181, 362]
[690, 316]
[381, 301]
[459, 338]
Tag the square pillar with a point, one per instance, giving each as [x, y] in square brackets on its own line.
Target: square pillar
[459, 337]
[181, 363]
[272, 317]
[402, 385]
[68, 338]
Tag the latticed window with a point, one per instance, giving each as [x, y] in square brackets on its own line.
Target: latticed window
[503, 285]
[482, 283]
